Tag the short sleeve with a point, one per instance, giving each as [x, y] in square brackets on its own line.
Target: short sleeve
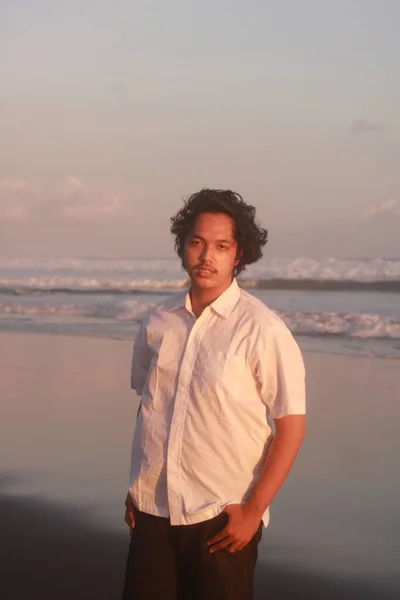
[280, 372]
[140, 360]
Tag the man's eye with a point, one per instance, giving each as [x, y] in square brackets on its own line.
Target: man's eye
[222, 247]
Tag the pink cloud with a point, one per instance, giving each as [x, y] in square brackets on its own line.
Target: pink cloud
[15, 185]
[13, 212]
[364, 125]
[75, 199]
[385, 207]
[70, 199]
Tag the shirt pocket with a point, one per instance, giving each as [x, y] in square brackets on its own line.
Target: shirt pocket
[227, 380]
[230, 388]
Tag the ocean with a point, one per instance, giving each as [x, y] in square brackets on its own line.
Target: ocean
[333, 305]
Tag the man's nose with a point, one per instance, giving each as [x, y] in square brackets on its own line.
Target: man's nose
[207, 253]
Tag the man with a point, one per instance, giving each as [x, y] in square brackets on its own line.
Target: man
[213, 367]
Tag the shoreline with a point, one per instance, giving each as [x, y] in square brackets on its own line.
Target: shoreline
[130, 340]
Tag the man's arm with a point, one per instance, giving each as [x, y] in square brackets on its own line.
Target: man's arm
[279, 371]
[129, 513]
[140, 366]
[290, 433]
[244, 519]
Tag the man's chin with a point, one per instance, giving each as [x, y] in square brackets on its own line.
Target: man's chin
[201, 281]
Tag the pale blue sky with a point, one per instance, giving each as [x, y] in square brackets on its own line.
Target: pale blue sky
[111, 112]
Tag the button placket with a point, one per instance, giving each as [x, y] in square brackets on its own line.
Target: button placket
[178, 419]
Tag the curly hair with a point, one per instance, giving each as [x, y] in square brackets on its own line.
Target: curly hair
[250, 237]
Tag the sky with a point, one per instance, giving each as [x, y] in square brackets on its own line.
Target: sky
[112, 112]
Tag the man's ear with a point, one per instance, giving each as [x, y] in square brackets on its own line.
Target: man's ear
[238, 258]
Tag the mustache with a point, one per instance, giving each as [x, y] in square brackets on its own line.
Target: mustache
[205, 266]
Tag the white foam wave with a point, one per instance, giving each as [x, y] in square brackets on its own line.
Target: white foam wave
[365, 326]
[361, 326]
[89, 283]
[119, 270]
[329, 269]
[128, 310]
[69, 310]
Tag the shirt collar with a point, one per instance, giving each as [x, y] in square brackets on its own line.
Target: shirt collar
[223, 305]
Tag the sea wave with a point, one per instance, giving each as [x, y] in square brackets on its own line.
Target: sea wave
[92, 285]
[59, 285]
[352, 269]
[130, 310]
[131, 276]
[360, 326]
[351, 325]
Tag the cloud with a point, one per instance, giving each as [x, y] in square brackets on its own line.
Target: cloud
[71, 199]
[13, 184]
[74, 182]
[82, 201]
[12, 212]
[373, 232]
[364, 125]
[390, 207]
[13, 200]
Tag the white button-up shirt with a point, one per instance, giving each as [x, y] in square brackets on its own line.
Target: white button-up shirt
[208, 387]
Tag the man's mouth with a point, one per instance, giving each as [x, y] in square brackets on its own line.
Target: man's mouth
[204, 271]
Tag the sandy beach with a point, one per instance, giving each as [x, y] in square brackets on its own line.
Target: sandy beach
[65, 434]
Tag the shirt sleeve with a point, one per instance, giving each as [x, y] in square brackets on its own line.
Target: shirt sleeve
[140, 360]
[280, 373]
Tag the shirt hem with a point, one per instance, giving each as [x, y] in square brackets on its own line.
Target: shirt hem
[188, 518]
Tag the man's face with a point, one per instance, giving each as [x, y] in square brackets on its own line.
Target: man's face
[210, 252]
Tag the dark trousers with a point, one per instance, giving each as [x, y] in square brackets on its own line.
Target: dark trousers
[168, 562]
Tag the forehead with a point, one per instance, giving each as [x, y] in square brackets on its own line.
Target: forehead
[218, 225]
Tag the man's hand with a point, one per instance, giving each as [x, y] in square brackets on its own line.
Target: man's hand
[240, 529]
[129, 514]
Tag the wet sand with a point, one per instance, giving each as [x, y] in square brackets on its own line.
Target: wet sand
[48, 551]
[65, 434]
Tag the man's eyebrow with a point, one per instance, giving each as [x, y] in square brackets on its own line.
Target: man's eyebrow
[224, 241]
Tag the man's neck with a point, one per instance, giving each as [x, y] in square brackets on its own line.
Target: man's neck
[201, 298]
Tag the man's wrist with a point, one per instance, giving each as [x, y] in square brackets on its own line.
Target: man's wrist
[255, 509]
